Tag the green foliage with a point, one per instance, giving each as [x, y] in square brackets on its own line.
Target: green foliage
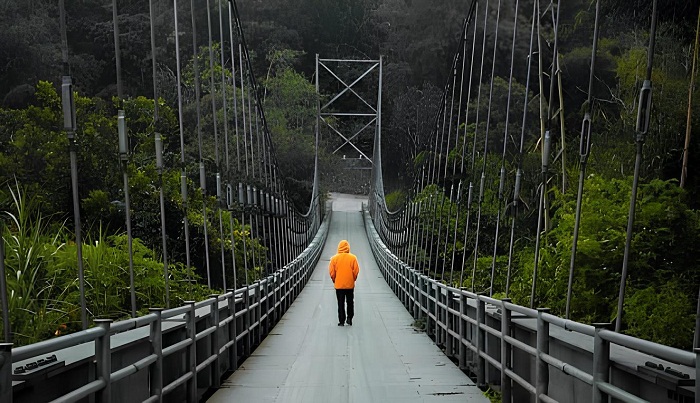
[437, 216]
[106, 266]
[290, 108]
[33, 151]
[493, 395]
[395, 200]
[42, 275]
[290, 103]
[418, 41]
[36, 155]
[664, 313]
[282, 60]
[663, 272]
[29, 43]
[34, 297]
[663, 247]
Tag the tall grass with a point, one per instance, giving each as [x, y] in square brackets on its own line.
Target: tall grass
[106, 281]
[36, 308]
[42, 275]
[106, 263]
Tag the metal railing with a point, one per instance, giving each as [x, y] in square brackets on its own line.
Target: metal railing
[496, 341]
[174, 354]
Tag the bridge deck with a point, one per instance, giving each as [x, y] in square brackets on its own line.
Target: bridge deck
[381, 358]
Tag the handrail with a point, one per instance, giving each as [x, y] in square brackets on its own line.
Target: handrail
[47, 346]
[658, 350]
[245, 315]
[130, 324]
[457, 317]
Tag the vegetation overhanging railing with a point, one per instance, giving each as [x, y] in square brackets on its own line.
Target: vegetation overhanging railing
[445, 311]
[218, 332]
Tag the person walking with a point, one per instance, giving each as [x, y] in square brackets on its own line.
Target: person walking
[344, 269]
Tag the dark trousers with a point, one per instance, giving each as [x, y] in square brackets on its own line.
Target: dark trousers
[344, 296]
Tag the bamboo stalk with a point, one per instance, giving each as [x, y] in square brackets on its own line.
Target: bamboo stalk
[562, 127]
[684, 169]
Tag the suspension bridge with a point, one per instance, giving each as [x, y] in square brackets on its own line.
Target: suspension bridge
[420, 334]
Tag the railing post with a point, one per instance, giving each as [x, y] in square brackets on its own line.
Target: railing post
[406, 286]
[420, 289]
[269, 320]
[232, 333]
[300, 275]
[399, 280]
[396, 274]
[269, 285]
[439, 303]
[156, 369]
[411, 290]
[214, 342]
[279, 292]
[297, 269]
[432, 308]
[266, 308]
[103, 358]
[449, 322]
[289, 284]
[542, 368]
[6, 372]
[424, 300]
[480, 341]
[415, 288]
[275, 288]
[445, 316]
[258, 312]
[506, 352]
[601, 362]
[191, 359]
[697, 373]
[246, 321]
[463, 309]
[283, 290]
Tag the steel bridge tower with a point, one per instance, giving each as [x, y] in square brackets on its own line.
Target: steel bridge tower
[349, 107]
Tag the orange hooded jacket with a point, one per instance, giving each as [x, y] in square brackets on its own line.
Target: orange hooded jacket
[344, 267]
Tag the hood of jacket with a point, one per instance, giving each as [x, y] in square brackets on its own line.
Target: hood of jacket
[343, 247]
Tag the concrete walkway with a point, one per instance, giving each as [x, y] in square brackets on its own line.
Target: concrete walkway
[381, 358]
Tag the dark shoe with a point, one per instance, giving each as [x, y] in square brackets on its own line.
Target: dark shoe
[349, 322]
[340, 323]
